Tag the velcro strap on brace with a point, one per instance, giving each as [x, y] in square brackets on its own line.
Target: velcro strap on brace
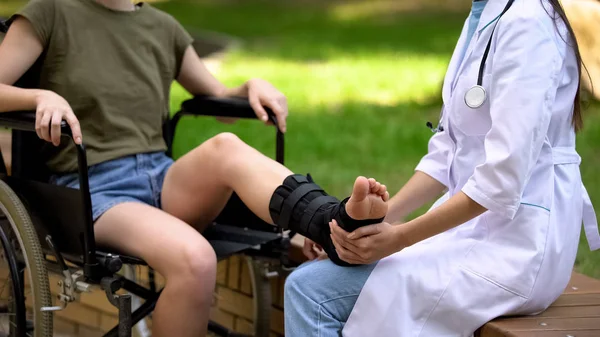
[315, 207]
[290, 202]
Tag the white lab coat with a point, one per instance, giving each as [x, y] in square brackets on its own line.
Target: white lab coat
[515, 156]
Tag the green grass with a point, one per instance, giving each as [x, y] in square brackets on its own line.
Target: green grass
[361, 84]
[360, 91]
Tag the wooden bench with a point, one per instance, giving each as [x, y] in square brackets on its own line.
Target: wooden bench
[576, 314]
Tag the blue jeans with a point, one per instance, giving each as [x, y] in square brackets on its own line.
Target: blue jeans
[134, 178]
[319, 297]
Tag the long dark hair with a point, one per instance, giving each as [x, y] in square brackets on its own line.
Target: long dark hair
[559, 13]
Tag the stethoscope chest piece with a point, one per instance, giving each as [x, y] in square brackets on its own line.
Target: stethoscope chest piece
[475, 97]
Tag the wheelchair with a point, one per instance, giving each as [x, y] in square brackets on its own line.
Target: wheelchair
[46, 228]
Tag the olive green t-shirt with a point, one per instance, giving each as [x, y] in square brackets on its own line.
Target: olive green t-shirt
[115, 69]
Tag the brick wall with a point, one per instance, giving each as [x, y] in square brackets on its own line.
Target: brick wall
[234, 305]
[92, 315]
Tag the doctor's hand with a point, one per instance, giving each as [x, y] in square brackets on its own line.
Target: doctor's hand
[367, 244]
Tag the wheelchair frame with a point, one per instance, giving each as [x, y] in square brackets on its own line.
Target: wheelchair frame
[262, 243]
[71, 238]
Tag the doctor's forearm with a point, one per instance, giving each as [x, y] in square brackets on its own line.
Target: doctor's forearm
[418, 191]
[454, 212]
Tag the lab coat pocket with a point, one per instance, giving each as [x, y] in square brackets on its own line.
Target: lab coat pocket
[471, 121]
[513, 251]
[468, 302]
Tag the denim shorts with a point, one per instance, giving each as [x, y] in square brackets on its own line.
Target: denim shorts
[136, 178]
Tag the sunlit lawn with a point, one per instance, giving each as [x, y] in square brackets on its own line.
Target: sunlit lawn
[361, 81]
[360, 90]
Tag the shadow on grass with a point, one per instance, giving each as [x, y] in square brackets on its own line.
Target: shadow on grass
[309, 33]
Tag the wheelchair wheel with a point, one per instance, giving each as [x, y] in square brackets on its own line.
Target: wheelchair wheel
[24, 285]
[261, 290]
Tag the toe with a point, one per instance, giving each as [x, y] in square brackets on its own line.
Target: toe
[377, 188]
[372, 183]
[361, 189]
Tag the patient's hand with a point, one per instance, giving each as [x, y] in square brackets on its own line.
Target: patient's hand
[262, 94]
[312, 250]
[51, 110]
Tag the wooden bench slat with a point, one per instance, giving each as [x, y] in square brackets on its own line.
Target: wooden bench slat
[571, 300]
[548, 324]
[562, 312]
[570, 312]
[575, 333]
[490, 331]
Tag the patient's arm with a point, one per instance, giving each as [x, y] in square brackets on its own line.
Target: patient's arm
[195, 78]
[18, 52]
[418, 191]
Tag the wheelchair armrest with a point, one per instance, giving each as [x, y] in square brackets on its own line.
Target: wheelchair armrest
[224, 107]
[220, 107]
[25, 121]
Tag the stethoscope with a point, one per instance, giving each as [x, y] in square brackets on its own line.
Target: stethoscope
[476, 96]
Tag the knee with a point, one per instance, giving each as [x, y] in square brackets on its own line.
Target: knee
[298, 283]
[196, 265]
[225, 142]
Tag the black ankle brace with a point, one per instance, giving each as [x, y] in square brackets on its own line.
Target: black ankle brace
[302, 206]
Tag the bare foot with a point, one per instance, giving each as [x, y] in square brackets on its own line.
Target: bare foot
[368, 201]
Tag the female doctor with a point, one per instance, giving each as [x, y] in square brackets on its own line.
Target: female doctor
[503, 239]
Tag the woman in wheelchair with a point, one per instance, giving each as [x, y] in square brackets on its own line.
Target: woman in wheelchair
[107, 69]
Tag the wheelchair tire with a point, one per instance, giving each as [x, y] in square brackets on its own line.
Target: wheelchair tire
[26, 248]
[262, 298]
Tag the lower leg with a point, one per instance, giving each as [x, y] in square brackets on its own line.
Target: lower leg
[176, 314]
[295, 203]
[176, 251]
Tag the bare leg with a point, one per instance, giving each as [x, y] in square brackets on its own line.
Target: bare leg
[174, 249]
[199, 184]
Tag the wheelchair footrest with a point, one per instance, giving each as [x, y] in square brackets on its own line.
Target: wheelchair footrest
[228, 240]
